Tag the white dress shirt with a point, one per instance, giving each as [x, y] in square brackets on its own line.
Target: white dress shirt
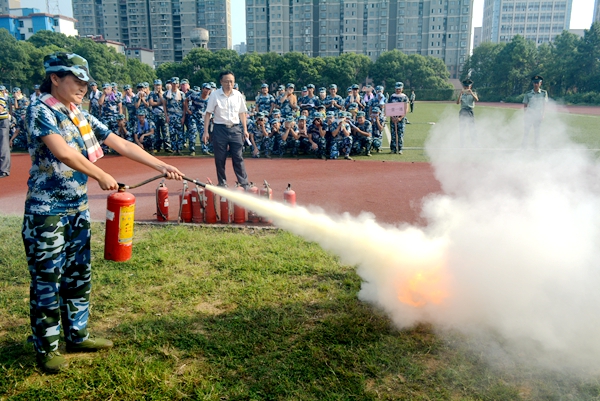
[226, 109]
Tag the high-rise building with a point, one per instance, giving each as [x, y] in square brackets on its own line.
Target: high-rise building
[596, 11]
[539, 21]
[438, 28]
[476, 36]
[160, 25]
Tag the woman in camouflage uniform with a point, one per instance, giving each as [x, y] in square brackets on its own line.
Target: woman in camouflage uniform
[64, 143]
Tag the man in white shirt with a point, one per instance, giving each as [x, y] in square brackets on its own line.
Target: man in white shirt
[228, 108]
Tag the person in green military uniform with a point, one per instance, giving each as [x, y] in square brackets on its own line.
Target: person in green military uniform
[535, 105]
[466, 117]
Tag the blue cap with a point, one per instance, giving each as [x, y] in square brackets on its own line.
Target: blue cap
[36, 87]
[196, 89]
[302, 118]
[114, 84]
[321, 89]
[16, 89]
[280, 87]
[379, 88]
[319, 115]
[213, 85]
[185, 81]
[93, 83]
[206, 85]
[141, 112]
[333, 86]
[376, 110]
[120, 117]
[175, 80]
[157, 82]
[71, 62]
[304, 89]
[127, 86]
[264, 86]
[290, 85]
[355, 86]
[310, 86]
[360, 114]
[106, 85]
[274, 120]
[399, 85]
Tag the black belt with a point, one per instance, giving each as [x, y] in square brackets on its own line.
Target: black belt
[227, 125]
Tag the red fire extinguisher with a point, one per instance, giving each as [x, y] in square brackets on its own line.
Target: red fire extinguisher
[225, 211]
[210, 207]
[185, 204]
[252, 216]
[118, 239]
[197, 205]
[289, 196]
[162, 202]
[239, 213]
[267, 193]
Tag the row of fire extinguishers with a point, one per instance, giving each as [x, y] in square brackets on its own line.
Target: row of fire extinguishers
[200, 205]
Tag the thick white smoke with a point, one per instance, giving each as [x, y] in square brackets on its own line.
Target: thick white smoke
[511, 249]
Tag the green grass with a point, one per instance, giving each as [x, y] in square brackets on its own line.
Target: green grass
[213, 314]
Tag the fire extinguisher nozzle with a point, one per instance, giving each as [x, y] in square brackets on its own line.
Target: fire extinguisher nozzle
[201, 184]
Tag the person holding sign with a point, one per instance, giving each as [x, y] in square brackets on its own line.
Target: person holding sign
[396, 110]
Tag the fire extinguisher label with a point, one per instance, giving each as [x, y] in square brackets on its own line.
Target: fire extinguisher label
[126, 224]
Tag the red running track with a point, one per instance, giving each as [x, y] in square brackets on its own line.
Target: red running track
[392, 191]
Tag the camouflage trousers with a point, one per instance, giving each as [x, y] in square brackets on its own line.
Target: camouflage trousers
[377, 142]
[340, 146]
[161, 133]
[360, 142]
[191, 132]
[205, 147]
[58, 257]
[321, 149]
[176, 132]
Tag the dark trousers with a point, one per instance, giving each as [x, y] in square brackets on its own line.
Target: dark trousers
[231, 139]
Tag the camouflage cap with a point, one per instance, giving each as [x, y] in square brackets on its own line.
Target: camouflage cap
[106, 85]
[16, 89]
[141, 112]
[127, 86]
[120, 117]
[206, 85]
[185, 81]
[157, 82]
[70, 62]
[360, 114]
[264, 86]
[319, 115]
[399, 85]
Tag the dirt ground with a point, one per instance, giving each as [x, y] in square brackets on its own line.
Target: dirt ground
[392, 191]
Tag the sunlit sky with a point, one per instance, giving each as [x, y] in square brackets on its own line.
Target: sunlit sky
[581, 16]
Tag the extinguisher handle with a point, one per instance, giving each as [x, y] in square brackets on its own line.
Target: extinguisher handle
[123, 187]
[203, 185]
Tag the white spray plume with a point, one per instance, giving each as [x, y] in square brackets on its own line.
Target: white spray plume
[511, 250]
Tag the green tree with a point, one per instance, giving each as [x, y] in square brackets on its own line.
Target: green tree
[47, 38]
[195, 67]
[15, 63]
[515, 64]
[273, 67]
[250, 73]
[587, 60]
[352, 68]
[105, 64]
[562, 63]
[139, 72]
[389, 68]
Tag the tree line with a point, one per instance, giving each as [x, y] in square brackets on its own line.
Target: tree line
[570, 66]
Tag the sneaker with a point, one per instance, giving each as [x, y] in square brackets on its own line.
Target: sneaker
[192, 153]
[207, 153]
[323, 157]
[52, 362]
[155, 151]
[369, 154]
[347, 157]
[90, 345]
[399, 152]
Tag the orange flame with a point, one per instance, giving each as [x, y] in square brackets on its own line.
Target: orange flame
[424, 287]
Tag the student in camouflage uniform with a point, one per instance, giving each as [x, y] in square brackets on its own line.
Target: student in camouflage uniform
[362, 134]
[354, 97]
[63, 145]
[123, 128]
[341, 142]
[175, 118]
[302, 132]
[535, 106]
[144, 131]
[94, 106]
[129, 106]
[398, 123]
[288, 103]
[197, 104]
[110, 107]
[18, 105]
[158, 106]
[316, 137]
[273, 143]
[290, 138]
[333, 101]
[265, 102]
[259, 130]
[309, 102]
[378, 124]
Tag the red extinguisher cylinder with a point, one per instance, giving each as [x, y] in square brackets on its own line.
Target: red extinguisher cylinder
[185, 202]
[197, 205]
[239, 212]
[289, 196]
[162, 202]
[225, 214]
[210, 208]
[118, 238]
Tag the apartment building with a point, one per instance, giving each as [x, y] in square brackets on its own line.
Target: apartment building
[438, 28]
[537, 20]
[163, 26]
